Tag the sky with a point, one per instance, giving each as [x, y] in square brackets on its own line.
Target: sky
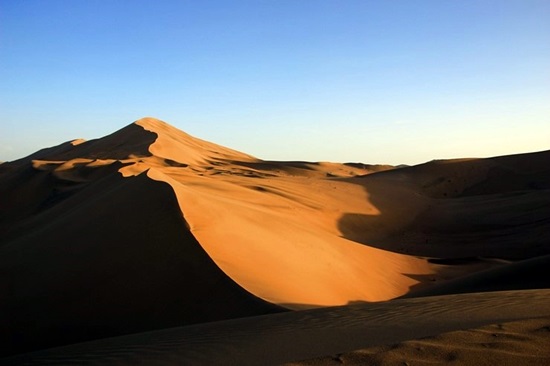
[393, 82]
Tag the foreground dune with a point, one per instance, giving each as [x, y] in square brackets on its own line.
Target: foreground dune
[151, 228]
[287, 337]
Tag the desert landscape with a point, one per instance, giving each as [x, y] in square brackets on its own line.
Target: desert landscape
[153, 246]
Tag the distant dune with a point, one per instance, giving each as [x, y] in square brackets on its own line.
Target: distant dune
[150, 228]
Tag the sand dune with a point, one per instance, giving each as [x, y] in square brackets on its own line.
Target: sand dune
[495, 207]
[260, 224]
[151, 228]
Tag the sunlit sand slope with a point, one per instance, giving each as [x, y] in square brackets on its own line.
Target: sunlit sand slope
[272, 227]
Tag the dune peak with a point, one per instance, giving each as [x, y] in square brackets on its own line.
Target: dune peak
[178, 146]
[152, 123]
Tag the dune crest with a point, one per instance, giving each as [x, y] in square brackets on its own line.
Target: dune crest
[180, 147]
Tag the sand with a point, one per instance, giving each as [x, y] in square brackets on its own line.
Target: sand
[291, 336]
[150, 228]
[523, 342]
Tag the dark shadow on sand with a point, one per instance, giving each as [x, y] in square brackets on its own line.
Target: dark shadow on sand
[111, 259]
[512, 224]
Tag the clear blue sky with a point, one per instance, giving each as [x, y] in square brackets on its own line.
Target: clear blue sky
[372, 81]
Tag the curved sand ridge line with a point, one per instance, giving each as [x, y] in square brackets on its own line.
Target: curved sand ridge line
[275, 235]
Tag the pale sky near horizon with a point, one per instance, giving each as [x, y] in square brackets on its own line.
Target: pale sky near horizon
[397, 81]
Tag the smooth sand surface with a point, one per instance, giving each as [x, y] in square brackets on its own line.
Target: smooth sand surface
[151, 228]
[287, 337]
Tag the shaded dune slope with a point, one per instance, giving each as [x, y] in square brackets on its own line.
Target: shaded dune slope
[496, 207]
[32, 183]
[130, 141]
[113, 257]
[533, 273]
